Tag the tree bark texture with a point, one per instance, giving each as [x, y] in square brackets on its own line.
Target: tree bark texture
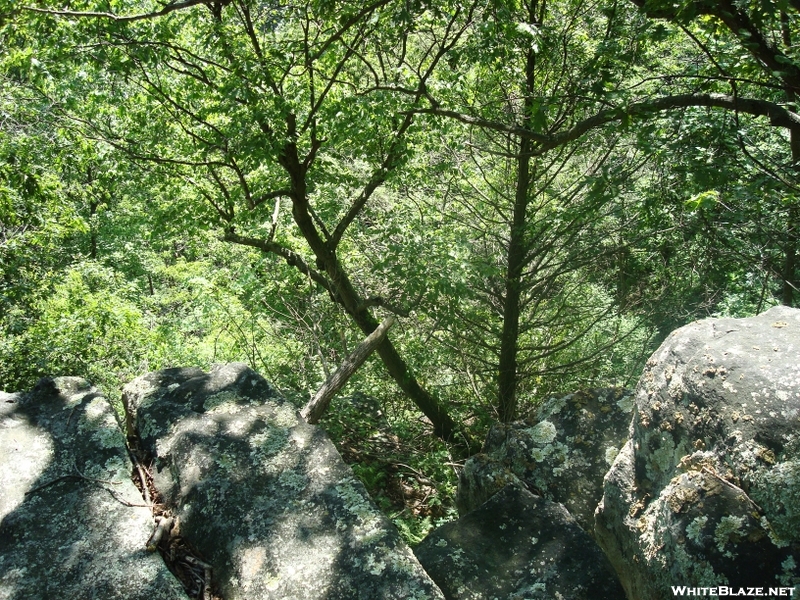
[517, 251]
[317, 406]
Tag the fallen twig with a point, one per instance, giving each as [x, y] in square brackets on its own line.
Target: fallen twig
[142, 478]
[206, 572]
[163, 525]
[732, 486]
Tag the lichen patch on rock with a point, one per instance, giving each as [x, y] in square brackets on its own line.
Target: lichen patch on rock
[708, 488]
[70, 526]
[264, 497]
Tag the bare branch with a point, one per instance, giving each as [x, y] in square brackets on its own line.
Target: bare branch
[319, 403]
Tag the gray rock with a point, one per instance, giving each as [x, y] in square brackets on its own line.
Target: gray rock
[68, 528]
[264, 497]
[483, 476]
[517, 546]
[707, 490]
[562, 457]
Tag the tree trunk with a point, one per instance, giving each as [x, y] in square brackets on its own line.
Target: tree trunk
[517, 250]
[789, 275]
[319, 403]
[346, 294]
[507, 376]
[790, 281]
[443, 425]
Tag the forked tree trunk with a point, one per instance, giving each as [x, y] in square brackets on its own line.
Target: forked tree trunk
[345, 294]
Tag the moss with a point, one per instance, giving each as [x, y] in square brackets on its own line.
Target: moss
[225, 461]
[374, 566]
[285, 416]
[553, 405]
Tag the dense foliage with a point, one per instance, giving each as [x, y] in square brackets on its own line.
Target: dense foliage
[540, 191]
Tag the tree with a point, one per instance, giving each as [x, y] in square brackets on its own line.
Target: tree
[294, 124]
[766, 32]
[534, 213]
[277, 106]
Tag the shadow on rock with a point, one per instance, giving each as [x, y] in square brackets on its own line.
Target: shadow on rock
[517, 546]
[263, 496]
[72, 521]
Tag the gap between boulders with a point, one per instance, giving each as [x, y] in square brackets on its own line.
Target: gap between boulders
[183, 561]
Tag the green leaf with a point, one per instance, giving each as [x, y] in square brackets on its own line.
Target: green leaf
[703, 200]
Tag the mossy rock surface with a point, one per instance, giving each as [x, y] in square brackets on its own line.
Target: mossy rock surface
[517, 546]
[265, 497]
[707, 490]
[70, 526]
[562, 453]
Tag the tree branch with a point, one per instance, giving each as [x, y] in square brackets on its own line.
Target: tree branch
[483, 123]
[777, 114]
[769, 57]
[319, 403]
[269, 196]
[171, 7]
[292, 258]
[381, 174]
[382, 302]
[346, 26]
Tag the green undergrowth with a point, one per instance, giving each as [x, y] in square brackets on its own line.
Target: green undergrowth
[409, 473]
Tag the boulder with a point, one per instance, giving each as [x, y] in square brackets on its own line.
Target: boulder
[517, 546]
[72, 524]
[707, 490]
[562, 454]
[263, 496]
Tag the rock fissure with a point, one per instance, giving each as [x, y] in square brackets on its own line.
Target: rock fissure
[262, 496]
[183, 561]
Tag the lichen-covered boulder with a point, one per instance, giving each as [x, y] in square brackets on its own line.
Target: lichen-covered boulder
[517, 546]
[707, 491]
[72, 524]
[482, 477]
[264, 497]
[563, 456]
